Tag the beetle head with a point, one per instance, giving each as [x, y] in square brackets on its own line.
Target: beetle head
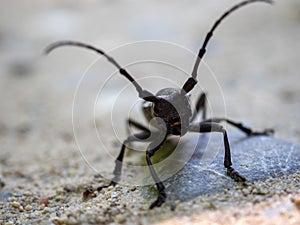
[173, 107]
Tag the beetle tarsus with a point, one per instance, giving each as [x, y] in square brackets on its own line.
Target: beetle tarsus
[266, 132]
[160, 199]
[235, 175]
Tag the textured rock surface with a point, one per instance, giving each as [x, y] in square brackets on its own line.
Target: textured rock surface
[256, 158]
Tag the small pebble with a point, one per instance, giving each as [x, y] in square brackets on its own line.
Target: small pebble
[28, 207]
[120, 218]
[296, 201]
[60, 221]
[9, 223]
[46, 210]
[27, 193]
[114, 195]
[177, 202]
[16, 204]
[114, 211]
[44, 200]
[12, 199]
[110, 187]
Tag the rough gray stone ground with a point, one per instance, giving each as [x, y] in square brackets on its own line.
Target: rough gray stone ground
[256, 158]
[254, 55]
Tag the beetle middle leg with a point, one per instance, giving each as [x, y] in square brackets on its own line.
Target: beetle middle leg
[137, 125]
[241, 127]
[201, 105]
[204, 127]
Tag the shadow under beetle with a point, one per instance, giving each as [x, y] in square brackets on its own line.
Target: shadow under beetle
[171, 113]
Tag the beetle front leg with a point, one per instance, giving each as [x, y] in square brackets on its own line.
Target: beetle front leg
[205, 127]
[143, 136]
[152, 148]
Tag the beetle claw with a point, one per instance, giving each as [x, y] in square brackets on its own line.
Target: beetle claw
[159, 201]
[266, 132]
[235, 175]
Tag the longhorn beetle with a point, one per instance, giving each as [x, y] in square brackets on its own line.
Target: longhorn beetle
[171, 111]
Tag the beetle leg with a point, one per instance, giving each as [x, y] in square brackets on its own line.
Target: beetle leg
[143, 136]
[152, 148]
[241, 127]
[201, 105]
[204, 127]
[137, 125]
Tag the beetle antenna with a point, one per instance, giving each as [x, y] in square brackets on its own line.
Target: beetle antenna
[146, 95]
[191, 82]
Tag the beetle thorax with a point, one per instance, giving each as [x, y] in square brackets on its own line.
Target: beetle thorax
[174, 109]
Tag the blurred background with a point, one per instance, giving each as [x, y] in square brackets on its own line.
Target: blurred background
[254, 54]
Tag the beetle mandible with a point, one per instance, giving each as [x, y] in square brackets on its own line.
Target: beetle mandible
[171, 110]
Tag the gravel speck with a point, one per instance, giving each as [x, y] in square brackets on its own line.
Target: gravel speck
[120, 218]
[16, 204]
[28, 208]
